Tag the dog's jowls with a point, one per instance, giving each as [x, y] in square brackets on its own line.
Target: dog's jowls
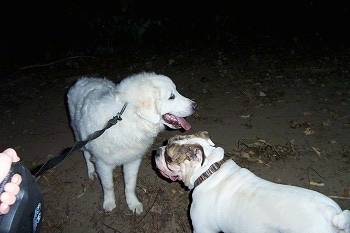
[152, 103]
[231, 199]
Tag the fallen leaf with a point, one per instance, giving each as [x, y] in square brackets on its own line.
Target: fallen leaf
[309, 131]
[251, 152]
[245, 155]
[82, 193]
[316, 150]
[326, 123]
[245, 116]
[319, 184]
[262, 94]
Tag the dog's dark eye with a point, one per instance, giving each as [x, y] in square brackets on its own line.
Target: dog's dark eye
[172, 96]
[167, 157]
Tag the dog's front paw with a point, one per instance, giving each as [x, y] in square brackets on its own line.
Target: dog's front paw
[92, 175]
[136, 207]
[109, 205]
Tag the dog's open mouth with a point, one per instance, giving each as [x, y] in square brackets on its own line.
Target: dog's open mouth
[172, 178]
[176, 122]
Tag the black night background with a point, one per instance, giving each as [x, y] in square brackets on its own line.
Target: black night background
[41, 31]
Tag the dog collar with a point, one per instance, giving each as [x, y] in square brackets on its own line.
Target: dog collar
[205, 175]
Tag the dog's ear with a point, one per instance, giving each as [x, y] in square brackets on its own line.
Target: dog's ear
[202, 134]
[148, 107]
[197, 154]
[177, 138]
[205, 136]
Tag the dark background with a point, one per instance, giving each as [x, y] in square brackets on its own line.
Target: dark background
[34, 32]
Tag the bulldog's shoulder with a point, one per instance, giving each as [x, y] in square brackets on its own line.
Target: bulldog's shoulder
[230, 164]
[235, 173]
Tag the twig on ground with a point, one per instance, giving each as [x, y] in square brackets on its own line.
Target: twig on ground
[317, 173]
[149, 209]
[113, 229]
[48, 64]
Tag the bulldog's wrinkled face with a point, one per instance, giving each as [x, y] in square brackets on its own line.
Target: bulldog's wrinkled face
[182, 155]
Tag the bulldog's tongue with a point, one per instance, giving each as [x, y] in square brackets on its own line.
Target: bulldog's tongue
[176, 121]
[172, 178]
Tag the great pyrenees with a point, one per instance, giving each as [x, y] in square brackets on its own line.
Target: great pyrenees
[152, 104]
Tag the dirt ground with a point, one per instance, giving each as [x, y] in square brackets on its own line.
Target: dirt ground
[283, 115]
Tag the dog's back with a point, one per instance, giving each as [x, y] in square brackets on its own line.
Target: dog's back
[82, 88]
[77, 94]
[257, 205]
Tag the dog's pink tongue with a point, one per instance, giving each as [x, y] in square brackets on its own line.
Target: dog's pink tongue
[176, 121]
[172, 178]
[184, 124]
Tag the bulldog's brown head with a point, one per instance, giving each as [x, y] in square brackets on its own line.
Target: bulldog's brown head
[186, 156]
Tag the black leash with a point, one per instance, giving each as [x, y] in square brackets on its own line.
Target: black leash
[51, 163]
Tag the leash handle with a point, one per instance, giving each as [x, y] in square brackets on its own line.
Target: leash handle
[8, 177]
[26, 213]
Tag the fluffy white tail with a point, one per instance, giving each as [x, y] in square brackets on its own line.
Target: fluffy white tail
[342, 221]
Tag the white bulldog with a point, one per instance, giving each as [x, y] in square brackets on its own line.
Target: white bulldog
[229, 198]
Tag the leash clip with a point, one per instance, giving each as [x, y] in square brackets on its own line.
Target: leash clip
[118, 117]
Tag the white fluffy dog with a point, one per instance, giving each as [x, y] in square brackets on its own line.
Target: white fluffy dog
[152, 103]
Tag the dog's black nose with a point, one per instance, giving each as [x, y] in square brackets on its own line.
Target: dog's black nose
[194, 105]
[158, 152]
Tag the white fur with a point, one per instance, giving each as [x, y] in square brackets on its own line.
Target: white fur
[93, 101]
[234, 200]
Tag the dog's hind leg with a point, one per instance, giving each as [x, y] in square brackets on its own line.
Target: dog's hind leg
[105, 173]
[90, 166]
[130, 176]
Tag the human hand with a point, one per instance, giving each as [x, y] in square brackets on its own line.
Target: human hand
[11, 189]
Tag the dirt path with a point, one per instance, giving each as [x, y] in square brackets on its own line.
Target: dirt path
[286, 118]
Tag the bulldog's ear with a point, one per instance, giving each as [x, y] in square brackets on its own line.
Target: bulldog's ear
[205, 136]
[197, 154]
[148, 107]
[202, 134]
